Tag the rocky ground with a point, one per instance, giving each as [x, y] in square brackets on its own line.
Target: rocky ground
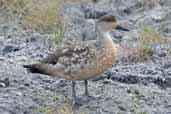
[128, 88]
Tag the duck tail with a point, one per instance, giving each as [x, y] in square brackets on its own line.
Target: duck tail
[36, 68]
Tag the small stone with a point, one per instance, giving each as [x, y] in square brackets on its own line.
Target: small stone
[6, 112]
[9, 49]
[2, 58]
[107, 81]
[27, 84]
[2, 84]
[167, 65]
[2, 37]
[6, 81]
[19, 93]
[122, 108]
[162, 54]
[158, 16]
[129, 91]
[137, 92]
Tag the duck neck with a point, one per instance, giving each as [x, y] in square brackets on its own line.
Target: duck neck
[104, 39]
[104, 36]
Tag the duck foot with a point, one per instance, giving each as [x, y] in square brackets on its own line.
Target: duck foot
[78, 102]
[84, 99]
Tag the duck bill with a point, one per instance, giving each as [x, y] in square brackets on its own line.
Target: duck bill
[119, 27]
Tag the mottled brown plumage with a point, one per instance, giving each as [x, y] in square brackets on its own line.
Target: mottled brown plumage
[82, 60]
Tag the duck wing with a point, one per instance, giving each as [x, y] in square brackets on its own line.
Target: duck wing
[66, 61]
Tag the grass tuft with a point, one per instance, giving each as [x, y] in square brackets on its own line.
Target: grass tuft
[63, 109]
[42, 16]
[147, 41]
[38, 15]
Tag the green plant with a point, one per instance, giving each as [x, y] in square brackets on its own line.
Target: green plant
[63, 109]
[43, 15]
[39, 15]
[58, 35]
[138, 105]
[148, 39]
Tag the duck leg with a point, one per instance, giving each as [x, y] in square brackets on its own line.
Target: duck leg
[89, 97]
[73, 90]
[86, 88]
